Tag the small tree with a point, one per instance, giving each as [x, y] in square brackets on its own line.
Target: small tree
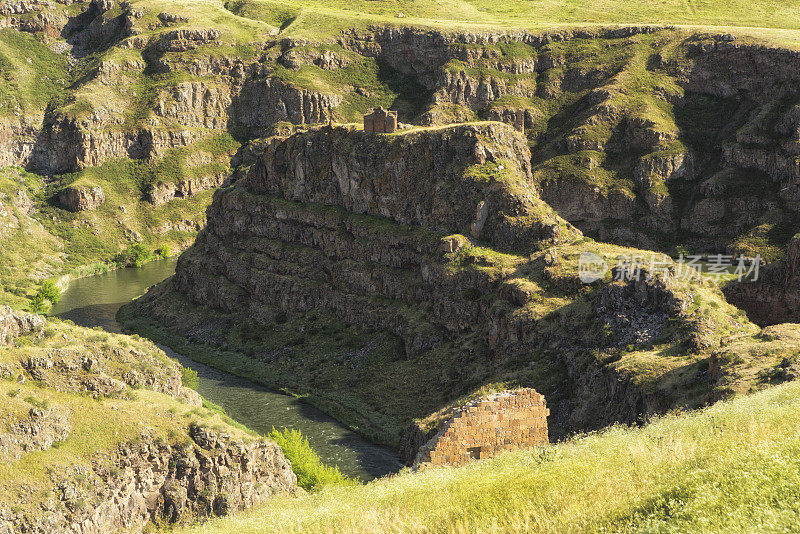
[48, 295]
[134, 256]
[190, 379]
[50, 291]
[139, 255]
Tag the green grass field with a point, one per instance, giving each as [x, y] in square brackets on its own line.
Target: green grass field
[734, 467]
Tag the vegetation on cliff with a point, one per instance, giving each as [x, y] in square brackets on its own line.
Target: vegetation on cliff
[42, 241]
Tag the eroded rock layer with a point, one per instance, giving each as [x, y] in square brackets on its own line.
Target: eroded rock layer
[336, 242]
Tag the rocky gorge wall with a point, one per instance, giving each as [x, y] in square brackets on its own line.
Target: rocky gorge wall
[120, 443]
[436, 237]
[658, 166]
[311, 190]
[775, 297]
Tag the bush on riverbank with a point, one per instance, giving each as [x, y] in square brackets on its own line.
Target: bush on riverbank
[48, 295]
[312, 474]
[134, 256]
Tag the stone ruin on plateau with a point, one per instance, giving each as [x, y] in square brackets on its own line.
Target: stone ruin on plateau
[380, 121]
[487, 426]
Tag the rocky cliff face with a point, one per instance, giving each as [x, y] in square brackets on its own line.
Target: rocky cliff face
[145, 482]
[654, 165]
[398, 235]
[142, 451]
[775, 297]
[472, 179]
[81, 198]
[14, 324]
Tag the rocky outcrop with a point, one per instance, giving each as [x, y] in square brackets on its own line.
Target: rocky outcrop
[775, 296]
[422, 178]
[81, 198]
[263, 101]
[16, 141]
[40, 430]
[14, 324]
[211, 475]
[368, 228]
[161, 193]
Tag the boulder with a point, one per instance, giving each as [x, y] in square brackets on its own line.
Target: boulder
[81, 198]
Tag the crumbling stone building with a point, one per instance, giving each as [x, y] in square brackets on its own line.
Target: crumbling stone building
[487, 426]
[380, 121]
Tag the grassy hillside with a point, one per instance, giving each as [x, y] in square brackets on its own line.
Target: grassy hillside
[312, 18]
[734, 467]
[40, 240]
[102, 411]
[30, 74]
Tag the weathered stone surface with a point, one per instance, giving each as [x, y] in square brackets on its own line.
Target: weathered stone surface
[40, 430]
[162, 193]
[319, 225]
[14, 324]
[488, 426]
[414, 179]
[775, 297]
[81, 198]
[144, 482]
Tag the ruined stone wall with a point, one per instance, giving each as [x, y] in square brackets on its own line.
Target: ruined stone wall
[487, 426]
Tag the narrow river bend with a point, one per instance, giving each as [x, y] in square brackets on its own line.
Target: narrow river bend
[94, 301]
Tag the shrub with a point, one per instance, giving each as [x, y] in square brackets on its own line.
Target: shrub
[164, 251]
[190, 378]
[50, 291]
[38, 304]
[312, 474]
[134, 256]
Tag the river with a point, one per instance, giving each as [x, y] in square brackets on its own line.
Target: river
[93, 301]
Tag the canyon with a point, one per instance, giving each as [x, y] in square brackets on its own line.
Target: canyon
[388, 279]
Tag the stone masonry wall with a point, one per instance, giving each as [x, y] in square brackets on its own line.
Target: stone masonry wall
[487, 426]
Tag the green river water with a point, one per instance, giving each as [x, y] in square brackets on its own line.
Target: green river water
[94, 301]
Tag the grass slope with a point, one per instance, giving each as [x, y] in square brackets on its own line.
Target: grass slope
[314, 18]
[734, 467]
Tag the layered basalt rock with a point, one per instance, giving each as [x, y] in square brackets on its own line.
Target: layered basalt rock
[161, 193]
[399, 234]
[620, 162]
[418, 180]
[424, 178]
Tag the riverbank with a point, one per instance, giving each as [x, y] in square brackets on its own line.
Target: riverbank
[231, 358]
[94, 301]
